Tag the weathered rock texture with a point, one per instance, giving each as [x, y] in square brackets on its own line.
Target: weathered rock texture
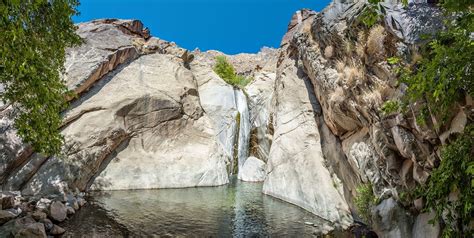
[150, 114]
[138, 121]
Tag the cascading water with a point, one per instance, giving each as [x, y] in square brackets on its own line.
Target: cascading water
[244, 128]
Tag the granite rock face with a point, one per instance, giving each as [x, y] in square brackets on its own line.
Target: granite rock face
[138, 122]
[150, 114]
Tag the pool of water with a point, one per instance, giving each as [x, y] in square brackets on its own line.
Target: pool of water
[235, 210]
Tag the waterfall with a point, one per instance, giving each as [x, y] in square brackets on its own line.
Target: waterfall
[244, 128]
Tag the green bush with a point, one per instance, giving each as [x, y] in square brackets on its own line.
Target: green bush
[445, 74]
[454, 175]
[364, 201]
[390, 107]
[226, 71]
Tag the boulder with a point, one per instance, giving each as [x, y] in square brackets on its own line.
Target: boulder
[58, 211]
[6, 216]
[33, 230]
[57, 230]
[390, 220]
[39, 215]
[253, 170]
[48, 224]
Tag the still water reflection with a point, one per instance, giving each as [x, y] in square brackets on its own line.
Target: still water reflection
[236, 210]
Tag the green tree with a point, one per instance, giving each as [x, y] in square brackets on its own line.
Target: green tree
[445, 74]
[34, 36]
[442, 78]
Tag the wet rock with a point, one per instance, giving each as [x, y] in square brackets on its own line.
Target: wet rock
[57, 230]
[58, 211]
[6, 216]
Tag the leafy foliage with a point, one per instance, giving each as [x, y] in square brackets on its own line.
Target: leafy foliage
[364, 201]
[390, 107]
[445, 73]
[455, 175]
[226, 71]
[34, 35]
[373, 12]
[370, 16]
[456, 5]
[393, 60]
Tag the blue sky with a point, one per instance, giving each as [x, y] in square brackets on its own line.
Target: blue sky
[231, 26]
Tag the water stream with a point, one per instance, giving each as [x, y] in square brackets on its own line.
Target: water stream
[244, 128]
[238, 209]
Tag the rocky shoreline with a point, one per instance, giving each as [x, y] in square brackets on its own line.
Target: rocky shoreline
[36, 216]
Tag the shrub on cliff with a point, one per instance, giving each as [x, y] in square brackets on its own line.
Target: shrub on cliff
[450, 189]
[364, 201]
[34, 36]
[226, 71]
[442, 79]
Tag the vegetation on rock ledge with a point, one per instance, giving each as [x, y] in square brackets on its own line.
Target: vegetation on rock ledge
[226, 71]
[364, 201]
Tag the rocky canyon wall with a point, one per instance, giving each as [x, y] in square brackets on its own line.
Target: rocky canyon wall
[149, 114]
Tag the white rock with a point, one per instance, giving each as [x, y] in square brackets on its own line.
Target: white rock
[253, 170]
[296, 167]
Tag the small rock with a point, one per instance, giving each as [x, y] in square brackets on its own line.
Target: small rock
[33, 230]
[81, 201]
[8, 202]
[43, 204]
[70, 211]
[6, 216]
[58, 211]
[15, 211]
[48, 224]
[57, 230]
[39, 215]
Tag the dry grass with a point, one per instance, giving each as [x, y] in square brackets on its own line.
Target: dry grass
[415, 56]
[354, 74]
[329, 52]
[340, 66]
[348, 47]
[385, 90]
[337, 95]
[360, 46]
[375, 42]
[372, 99]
